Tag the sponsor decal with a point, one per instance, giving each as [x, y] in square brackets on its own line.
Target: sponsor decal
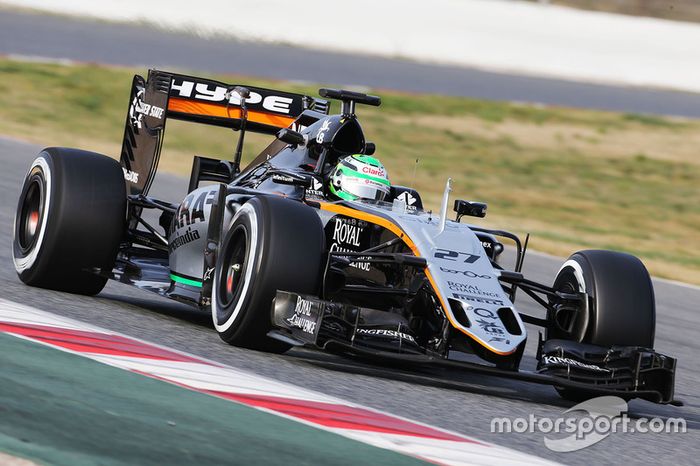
[347, 232]
[572, 362]
[182, 239]
[466, 273]
[470, 288]
[490, 327]
[407, 198]
[365, 181]
[130, 175]
[358, 265]
[316, 188]
[219, 94]
[322, 132]
[139, 109]
[346, 237]
[385, 333]
[485, 313]
[446, 254]
[477, 299]
[208, 273]
[374, 171]
[303, 318]
[192, 209]
[487, 245]
[282, 179]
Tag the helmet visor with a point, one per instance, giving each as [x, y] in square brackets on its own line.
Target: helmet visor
[365, 189]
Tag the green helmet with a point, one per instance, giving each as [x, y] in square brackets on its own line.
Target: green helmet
[359, 177]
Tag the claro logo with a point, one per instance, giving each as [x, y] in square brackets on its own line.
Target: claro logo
[373, 171]
[212, 93]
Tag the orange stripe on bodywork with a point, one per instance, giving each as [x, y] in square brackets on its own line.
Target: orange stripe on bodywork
[176, 104]
[395, 229]
[391, 226]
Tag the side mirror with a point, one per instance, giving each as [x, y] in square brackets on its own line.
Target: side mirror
[370, 148]
[470, 208]
[291, 137]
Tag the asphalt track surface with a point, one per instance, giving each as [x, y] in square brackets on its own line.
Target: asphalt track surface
[454, 400]
[122, 44]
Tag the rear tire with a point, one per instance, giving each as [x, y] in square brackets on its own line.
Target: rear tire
[273, 244]
[621, 307]
[70, 219]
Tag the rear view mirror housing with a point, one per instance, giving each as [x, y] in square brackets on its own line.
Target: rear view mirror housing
[470, 208]
[291, 137]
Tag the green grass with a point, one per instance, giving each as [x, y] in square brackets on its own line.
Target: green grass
[574, 178]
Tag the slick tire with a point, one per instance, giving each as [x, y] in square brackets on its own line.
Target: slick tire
[70, 220]
[273, 244]
[621, 307]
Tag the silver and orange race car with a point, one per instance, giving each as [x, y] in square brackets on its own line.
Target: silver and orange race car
[279, 262]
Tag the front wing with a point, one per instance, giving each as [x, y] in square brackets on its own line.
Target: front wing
[628, 372]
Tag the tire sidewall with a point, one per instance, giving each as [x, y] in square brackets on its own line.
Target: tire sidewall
[27, 263]
[230, 319]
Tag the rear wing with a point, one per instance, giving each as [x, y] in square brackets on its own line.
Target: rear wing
[167, 95]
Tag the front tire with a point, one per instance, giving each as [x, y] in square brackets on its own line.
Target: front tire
[621, 308]
[70, 219]
[273, 244]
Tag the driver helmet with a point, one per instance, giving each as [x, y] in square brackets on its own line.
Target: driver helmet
[359, 177]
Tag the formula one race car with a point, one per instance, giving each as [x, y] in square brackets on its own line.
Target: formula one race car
[280, 262]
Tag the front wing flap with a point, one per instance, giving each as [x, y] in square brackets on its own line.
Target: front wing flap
[624, 368]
